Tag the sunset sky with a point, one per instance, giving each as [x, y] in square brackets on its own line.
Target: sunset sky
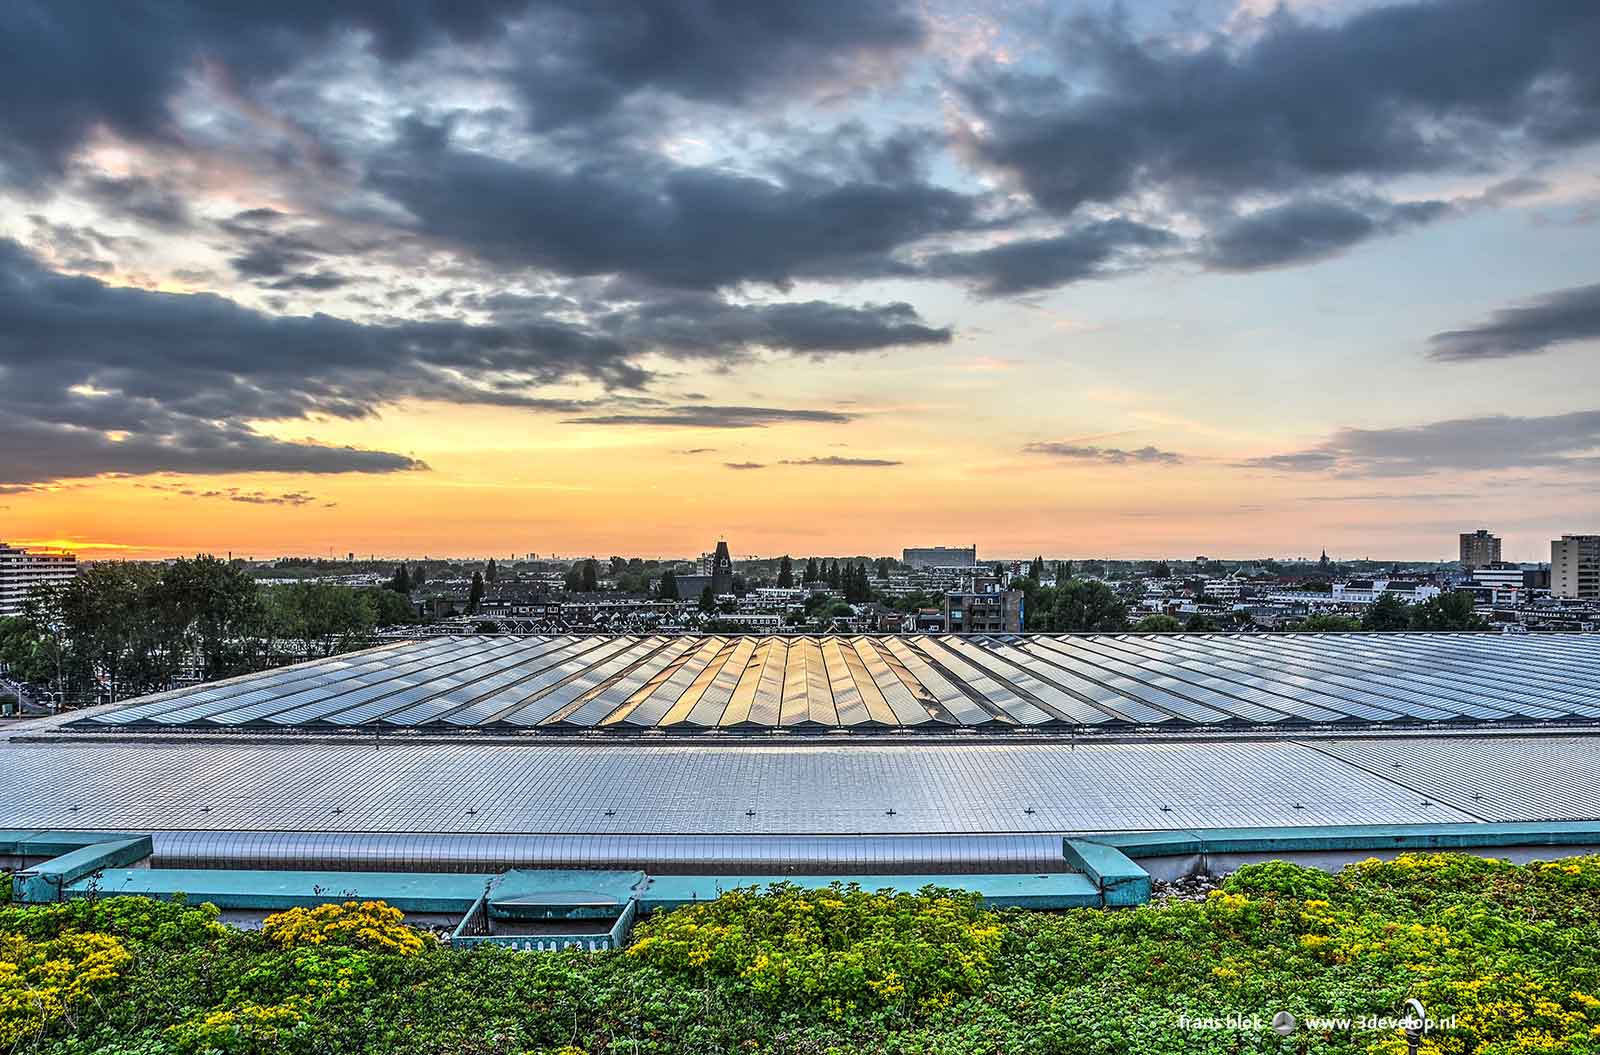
[472, 277]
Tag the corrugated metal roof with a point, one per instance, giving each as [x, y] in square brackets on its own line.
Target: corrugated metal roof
[816, 684]
[629, 788]
[1554, 778]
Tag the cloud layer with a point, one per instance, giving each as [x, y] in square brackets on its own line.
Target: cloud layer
[566, 207]
[1568, 442]
[1563, 317]
[1104, 455]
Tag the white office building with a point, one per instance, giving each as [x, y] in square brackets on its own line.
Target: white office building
[21, 570]
[1227, 589]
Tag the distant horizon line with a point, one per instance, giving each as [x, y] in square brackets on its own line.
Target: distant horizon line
[743, 558]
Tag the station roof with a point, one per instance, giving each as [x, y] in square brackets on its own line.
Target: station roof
[954, 805]
[863, 684]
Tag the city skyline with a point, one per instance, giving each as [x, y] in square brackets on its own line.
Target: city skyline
[1204, 277]
[511, 556]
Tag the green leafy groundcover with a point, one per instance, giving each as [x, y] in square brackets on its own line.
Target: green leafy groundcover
[1507, 956]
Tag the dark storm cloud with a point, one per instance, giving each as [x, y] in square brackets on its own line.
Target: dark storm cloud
[268, 262]
[315, 282]
[1105, 455]
[1410, 88]
[709, 326]
[836, 461]
[279, 252]
[1308, 229]
[664, 224]
[145, 199]
[70, 68]
[1090, 251]
[581, 59]
[67, 68]
[1560, 441]
[203, 354]
[79, 248]
[718, 417]
[33, 451]
[96, 378]
[852, 151]
[1561, 317]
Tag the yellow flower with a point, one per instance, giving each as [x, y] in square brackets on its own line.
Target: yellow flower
[367, 924]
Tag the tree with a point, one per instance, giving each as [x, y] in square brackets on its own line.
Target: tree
[1083, 604]
[885, 566]
[855, 584]
[401, 583]
[120, 629]
[1327, 623]
[1157, 624]
[42, 610]
[1163, 570]
[668, 588]
[813, 574]
[591, 576]
[325, 617]
[1200, 623]
[492, 572]
[1449, 611]
[786, 573]
[419, 575]
[834, 580]
[1036, 569]
[213, 608]
[25, 651]
[1388, 612]
[475, 593]
[390, 608]
[708, 600]
[122, 638]
[911, 602]
[633, 580]
[572, 581]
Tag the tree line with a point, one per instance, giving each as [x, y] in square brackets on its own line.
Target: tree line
[120, 629]
[1088, 605]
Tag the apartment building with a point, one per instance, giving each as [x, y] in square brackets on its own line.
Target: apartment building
[21, 570]
[984, 612]
[1575, 567]
[939, 557]
[1479, 549]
